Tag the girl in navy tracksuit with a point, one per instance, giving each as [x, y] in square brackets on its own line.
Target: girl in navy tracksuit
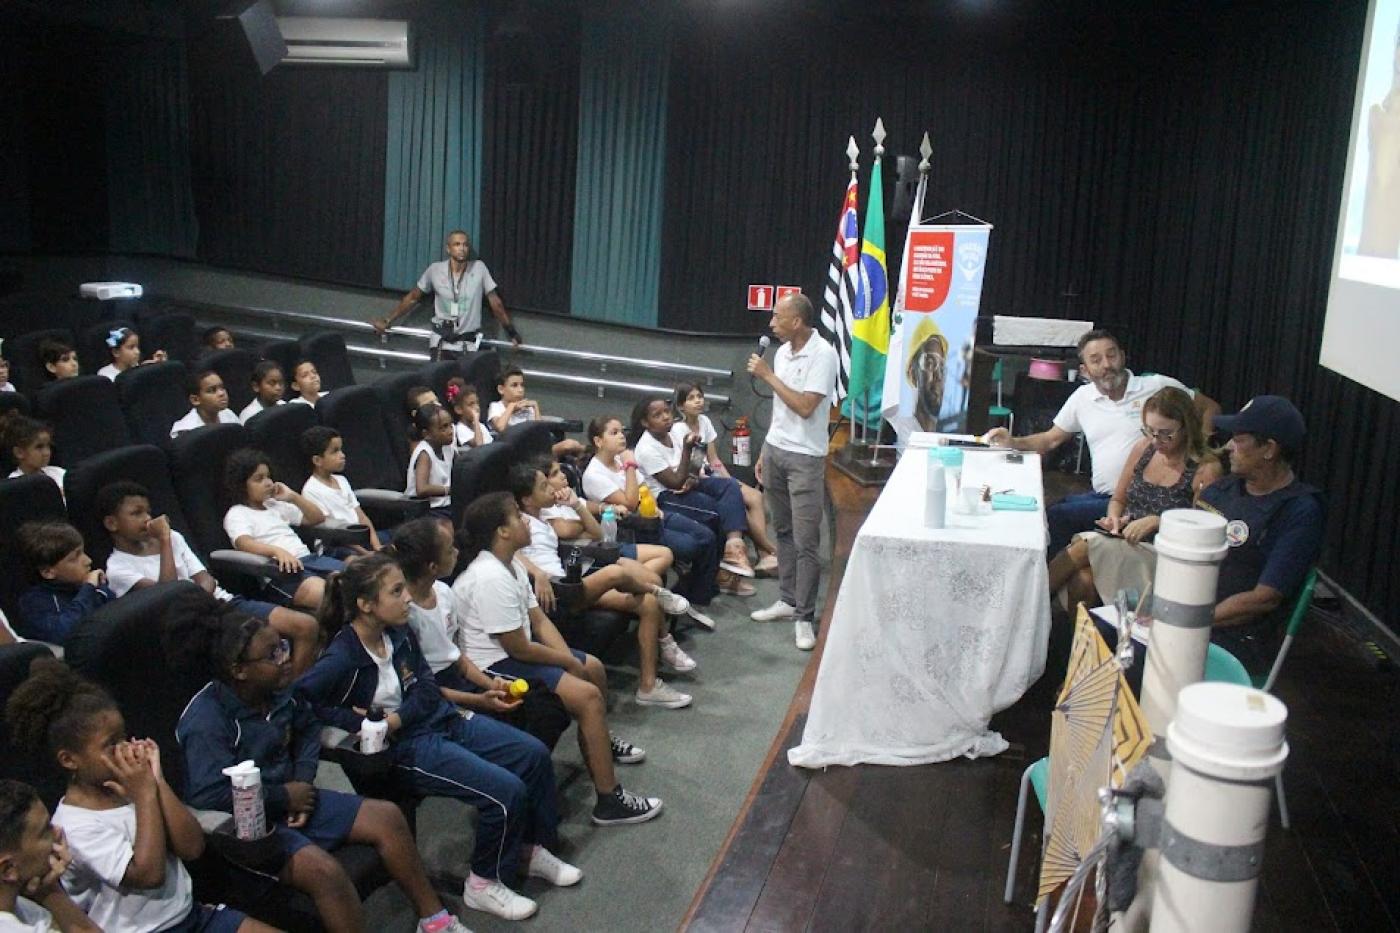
[434, 748]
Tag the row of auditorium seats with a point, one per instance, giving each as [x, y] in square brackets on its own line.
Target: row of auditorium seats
[171, 331]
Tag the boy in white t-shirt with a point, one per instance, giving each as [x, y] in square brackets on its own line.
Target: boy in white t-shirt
[209, 399]
[33, 856]
[31, 445]
[5, 384]
[306, 383]
[512, 407]
[146, 551]
[328, 487]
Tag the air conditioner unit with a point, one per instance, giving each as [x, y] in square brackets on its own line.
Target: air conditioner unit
[369, 43]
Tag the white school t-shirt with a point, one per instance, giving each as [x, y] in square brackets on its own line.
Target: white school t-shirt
[439, 472]
[388, 692]
[812, 369]
[192, 420]
[599, 481]
[298, 400]
[437, 628]
[495, 599]
[255, 407]
[707, 434]
[543, 549]
[339, 503]
[653, 457]
[103, 843]
[125, 570]
[520, 415]
[28, 917]
[52, 472]
[463, 437]
[110, 371]
[1110, 428]
[270, 525]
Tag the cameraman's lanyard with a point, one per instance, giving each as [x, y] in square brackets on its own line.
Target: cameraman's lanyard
[456, 284]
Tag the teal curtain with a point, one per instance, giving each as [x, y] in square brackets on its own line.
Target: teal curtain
[432, 161]
[150, 200]
[623, 73]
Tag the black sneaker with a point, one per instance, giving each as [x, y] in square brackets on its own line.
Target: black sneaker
[625, 807]
[624, 752]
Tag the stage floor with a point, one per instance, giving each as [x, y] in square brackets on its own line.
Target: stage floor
[925, 848]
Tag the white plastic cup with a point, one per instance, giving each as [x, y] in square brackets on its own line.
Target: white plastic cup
[935, 494]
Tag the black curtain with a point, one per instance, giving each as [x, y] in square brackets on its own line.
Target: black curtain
[288, 168]
[529, 159]
[1174, 171]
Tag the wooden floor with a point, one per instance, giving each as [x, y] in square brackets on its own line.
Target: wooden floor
[925, 848]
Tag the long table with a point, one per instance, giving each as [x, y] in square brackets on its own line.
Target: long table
[933, 630]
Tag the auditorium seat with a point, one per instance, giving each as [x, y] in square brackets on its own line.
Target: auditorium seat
[18, 404]
[391, 392]
[86, 417]
[26, 369]
[479, 470]
[153, 397]
[286, 354]
[92, 343]
[235, 366]
[277, 431]
[528, 439]
[22, 499]
[197, 461]
[483, 370]
[140, 463]
[18, 764]
[370, 464]
[171, 331]
[327, 351]
[435, 375]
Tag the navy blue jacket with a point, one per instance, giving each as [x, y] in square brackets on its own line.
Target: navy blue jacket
[218, 730]
[346, 676]
[48, 611]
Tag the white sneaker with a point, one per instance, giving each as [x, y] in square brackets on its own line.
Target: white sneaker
[673, 657]
[700, 618]
[671, 603]
[499, 900]
[804, 636]
[662, 695]
[774, 613]
[545, 864]
[453, 926]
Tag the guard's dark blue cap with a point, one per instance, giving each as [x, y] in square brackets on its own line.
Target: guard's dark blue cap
[1270, 416]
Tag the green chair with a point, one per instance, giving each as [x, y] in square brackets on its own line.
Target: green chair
[1295, 625]
[1035, 777]
[999, 410]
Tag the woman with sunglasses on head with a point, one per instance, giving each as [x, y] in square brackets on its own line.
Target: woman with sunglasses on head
[1167, 469]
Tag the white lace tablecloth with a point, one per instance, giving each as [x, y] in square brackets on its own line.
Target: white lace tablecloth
[933, 631]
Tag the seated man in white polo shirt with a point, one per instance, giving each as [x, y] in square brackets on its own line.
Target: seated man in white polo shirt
[1108, 410]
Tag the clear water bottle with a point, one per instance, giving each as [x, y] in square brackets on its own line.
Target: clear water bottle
[609, 523]
[935, 492]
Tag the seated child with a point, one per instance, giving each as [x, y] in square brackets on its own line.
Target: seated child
[247, 713]
[146, 551]
[209, 403]
[127, 830]
[506, 634]
[217, 338]
[426, 553]
[259, 520]
[67, 588]
[466, 408]
[306, 383]
[33, 856]
[267, 390]
[59, 359]
[626, 586]
[435, 748]
[418, 396]
[690, 408]
[5, 384]
[330, 490]
[124, 350]
[512, 407]
[430, 465]
[31, 444]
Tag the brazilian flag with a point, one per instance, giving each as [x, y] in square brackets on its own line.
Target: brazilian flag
[870, 333]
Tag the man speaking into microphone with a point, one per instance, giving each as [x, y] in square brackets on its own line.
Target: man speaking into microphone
[792, 464]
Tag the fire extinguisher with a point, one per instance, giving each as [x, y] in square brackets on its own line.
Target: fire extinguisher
[739, 441]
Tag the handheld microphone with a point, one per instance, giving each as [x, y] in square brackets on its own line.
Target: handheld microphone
[763, 343]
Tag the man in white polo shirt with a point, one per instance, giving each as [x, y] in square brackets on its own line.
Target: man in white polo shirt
[792, 465]
[458, 284]
[1108, 410]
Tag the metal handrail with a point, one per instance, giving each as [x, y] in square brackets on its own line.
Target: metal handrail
[583, 356]
[541, 375]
